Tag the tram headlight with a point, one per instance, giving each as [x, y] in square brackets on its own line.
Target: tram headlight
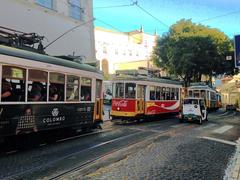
[118, 108]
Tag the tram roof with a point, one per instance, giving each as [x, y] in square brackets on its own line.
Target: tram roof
[5, 50]
[145, 78]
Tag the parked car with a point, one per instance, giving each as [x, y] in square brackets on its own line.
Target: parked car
[193, 109]
[231, 107]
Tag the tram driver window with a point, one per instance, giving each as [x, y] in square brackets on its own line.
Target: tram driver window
[99, 89]
[37, 85]
[119, 90]
[73, 88]
[140, 91]
[13, 83]
[86, 84]
[56, 87]
[130, 90]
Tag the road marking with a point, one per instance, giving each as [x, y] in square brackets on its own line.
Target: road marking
[178, 125]
[227, 112]
[209, 125]
[219, 140]
[222, 129]
[146, 130]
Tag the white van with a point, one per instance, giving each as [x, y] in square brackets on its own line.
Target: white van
[193, 109]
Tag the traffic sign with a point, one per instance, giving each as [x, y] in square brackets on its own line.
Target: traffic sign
[237, 51]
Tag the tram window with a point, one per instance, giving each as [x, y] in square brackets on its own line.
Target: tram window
[56, 87]
[158, 93]
[99, 88]
[172, 93]
[190, 93]
[203, 94]
[191, 101]
[119, 90]
[177, 94]
[213, 96]
[162, 97]
[73, 88]
[86, 91]
[152, 93]
[130, 90]
[37, 85]
[196, 93]
[167, 94]
[13, 83]
[140, 91]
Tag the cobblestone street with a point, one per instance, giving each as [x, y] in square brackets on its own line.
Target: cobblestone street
[175, 155]
[163, 149]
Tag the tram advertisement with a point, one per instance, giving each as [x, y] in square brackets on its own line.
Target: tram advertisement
[17, 119]
[124, 105]
[162, 107]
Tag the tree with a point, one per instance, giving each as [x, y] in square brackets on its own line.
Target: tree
[189, 51]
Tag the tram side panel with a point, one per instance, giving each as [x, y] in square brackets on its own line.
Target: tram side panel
[123, 108]
[162, 107]
[18, 119]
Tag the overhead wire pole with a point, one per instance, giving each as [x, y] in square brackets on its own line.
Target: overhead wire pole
[75, 27]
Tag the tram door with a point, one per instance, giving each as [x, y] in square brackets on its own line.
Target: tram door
[140, 99]
[99, 101]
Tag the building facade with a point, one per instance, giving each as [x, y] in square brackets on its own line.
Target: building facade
[230, 90]
[53, 18]
[123, 51]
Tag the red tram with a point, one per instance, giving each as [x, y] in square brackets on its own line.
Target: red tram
[137, 97]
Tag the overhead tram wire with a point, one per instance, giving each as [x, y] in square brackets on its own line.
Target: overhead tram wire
[115, 28]
[117, 6]
[75, 27]
[154, 17]
[220, 16]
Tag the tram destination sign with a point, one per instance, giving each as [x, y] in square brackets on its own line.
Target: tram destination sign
[237, 51]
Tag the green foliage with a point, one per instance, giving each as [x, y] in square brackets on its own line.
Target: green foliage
[191, 50]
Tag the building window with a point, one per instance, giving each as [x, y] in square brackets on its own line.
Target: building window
[75, 9]
[130, 52]
[116, 52]
[45, 3]
[104, 49]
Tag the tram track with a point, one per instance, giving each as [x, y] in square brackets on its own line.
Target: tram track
[148, 140]
[96, 151]
[16, 150]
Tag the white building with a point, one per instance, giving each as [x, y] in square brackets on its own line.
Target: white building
[53, 18]
[121, 51]
[230, 91]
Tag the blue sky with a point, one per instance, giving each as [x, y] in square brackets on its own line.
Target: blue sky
[129, 18]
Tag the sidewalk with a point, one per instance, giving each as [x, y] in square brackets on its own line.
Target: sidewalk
[235, 170]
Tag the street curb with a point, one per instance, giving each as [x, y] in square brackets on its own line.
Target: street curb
[234, 173]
